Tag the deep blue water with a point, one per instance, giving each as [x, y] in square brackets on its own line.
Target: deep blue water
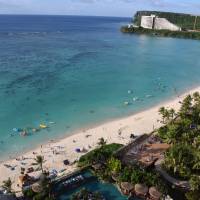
[76, 71]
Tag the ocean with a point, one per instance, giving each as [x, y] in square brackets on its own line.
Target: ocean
[73, 72]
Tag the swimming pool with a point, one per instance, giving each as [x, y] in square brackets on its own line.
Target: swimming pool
[108, 190]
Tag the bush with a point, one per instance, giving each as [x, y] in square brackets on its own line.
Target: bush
[101, 154]
[179, 160]
[136, 175]
[114, 165]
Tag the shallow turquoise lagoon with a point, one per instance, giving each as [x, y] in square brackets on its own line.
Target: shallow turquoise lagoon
[76, 72]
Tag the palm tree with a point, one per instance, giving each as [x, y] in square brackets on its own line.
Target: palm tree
[102, 142]
[7, 185]
[164, 113]
[196, 96]
[186, 106]
[40, 161]
[172, 113]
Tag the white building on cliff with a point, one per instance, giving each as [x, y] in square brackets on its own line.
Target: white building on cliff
[154, 22]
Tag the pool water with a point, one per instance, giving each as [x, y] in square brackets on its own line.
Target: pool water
[108, 190]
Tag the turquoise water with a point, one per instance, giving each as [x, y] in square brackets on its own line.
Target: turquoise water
[108, 190]
[76, 72]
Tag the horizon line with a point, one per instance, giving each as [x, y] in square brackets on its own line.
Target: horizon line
[35, 14]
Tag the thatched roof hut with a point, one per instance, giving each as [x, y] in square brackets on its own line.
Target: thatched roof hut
[141, 190]
[126, 187]
[154, 193]
[36, 187]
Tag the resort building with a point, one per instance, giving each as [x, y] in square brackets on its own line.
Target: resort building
[154, 22]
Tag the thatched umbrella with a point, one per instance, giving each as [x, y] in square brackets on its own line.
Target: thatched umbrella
[141, 190]
[36, 187]
[21, 179]
[127, 187]
[115, 177]
[154, 193]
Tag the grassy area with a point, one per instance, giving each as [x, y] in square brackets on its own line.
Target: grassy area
[162, 33]
[100, 154]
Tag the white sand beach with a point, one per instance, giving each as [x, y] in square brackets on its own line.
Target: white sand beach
[55, 152]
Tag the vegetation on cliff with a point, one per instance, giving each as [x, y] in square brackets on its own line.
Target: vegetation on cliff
[161, 33]
[185, 21]
[189, 24]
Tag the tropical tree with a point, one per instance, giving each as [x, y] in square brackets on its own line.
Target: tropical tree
[196, 165]
[102, 142]
[179, 159]
[186, 106]
[114, 165]
[172, 113]
[7, 185]
[196, 97]
[162, 112]
[39, 160]
[195, 183]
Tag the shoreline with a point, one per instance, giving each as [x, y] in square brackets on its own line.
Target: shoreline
[55, 151]
[97, 124]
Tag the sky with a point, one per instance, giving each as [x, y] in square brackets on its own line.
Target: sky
[96, 7]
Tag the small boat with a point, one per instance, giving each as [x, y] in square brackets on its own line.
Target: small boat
[126, 103]
[148, 96]
[135, 99]
[129, 91]
[43, 126]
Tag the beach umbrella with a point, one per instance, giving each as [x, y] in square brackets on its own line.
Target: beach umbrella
[66, 162]
[77, 150]
[127, 187]
[36, 187]
[154, 193]
[21, 179]
[141, 190]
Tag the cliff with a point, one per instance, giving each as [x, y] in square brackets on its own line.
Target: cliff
[185, 21]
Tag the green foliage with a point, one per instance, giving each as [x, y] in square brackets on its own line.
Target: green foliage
[114, 165]
[185, 21]
[99, 155]
[183, 158]
[7, 185]
[136, 175]
[195, 183]
[193, 195]
[29, 193]
[45, 193]
[162, 33]
[180, 159]
[85, 194]
[39, 160]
